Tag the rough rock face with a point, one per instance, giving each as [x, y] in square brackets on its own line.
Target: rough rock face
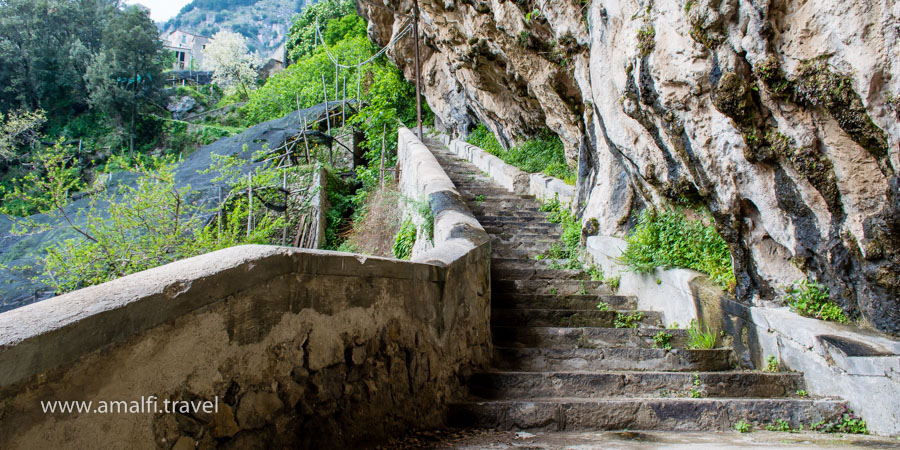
[779, 116]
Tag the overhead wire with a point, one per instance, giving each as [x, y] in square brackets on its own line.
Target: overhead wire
[404, 31]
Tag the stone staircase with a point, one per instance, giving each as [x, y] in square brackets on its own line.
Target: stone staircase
[561, 365]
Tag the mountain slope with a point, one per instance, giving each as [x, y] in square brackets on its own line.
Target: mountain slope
[264, 23]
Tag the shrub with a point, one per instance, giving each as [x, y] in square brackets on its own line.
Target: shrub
[812, 300]
[662, 340]
[668, 239]
[847, 422]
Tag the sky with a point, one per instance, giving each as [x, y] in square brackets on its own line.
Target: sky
[161, 10]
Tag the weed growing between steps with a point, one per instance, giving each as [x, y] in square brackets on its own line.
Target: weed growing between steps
[700, 338]
[811, 299]
[771, 364]
[570, 247]
[666, 238]
[662, 340]
[848, 422]
[629, 320]
[544, 154]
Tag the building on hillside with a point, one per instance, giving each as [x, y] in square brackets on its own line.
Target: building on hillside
[274, 64]
[188, 48]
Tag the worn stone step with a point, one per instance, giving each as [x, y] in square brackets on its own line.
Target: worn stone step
[676, 414]
[543, 263]
[590, 359]
[496, 228]
[512, 235]
[583, 337]
[730, 384]
[514, 220]
[552, 287]
[567, 318]
[530, 273]
[548, 301]
[485, 208]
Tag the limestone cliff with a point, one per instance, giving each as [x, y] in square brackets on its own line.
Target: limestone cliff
[779, 116]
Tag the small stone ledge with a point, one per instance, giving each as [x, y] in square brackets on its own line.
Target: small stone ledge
[868, 378]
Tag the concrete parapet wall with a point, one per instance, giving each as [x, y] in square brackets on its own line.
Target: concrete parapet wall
[859, 366]
[297, 348]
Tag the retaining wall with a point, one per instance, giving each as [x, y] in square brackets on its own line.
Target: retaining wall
[859, 366]
[299, 348]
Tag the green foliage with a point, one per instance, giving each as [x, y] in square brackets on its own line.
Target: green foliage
[406, 237]
[629, 320]
[340, 207]
[700, 338]
[662, 340]
[666, 238]
[613, 282]
[545, 153]
[812, 300]
[595, 272]
[848, 422]
[801, 393]
[695, 393]
[480, 198]
[603, 306]
[126, 76]
[783, 426]
[742, 427]
[771, 364]
[570, 247]
[423, 209]
[331, 16]
[646, 37]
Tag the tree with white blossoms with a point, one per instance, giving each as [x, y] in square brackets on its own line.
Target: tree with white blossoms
[232, 64]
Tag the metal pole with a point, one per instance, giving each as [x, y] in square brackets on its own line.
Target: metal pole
[418, 72]
[336, 85]
[358, 82]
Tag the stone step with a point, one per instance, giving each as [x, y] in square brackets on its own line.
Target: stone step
[730, 384]
[567, 318]
[496, 228]
[512, 220]
[552, 287]
[529, 273]
[592, 359]
[512, 235]
[547, 301]
[543, 263]
[676, 414]
[583, 337]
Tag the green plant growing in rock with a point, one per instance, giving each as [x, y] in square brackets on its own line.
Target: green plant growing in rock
[700, 338]
[603, 306]
[811, 299]
[406, 237]
[480, 198]
[771, 364]
[666, 238]
[646, 37]
[801, 393]
[613, 282]
[628, 320]
[523, 38]
[848, 422]
[783, 426]
[662, 340]
[742, 427]
[694, 393]
[595, 272]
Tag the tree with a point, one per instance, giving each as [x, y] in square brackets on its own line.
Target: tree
[125, 76]
[18, 129]
[227, 56]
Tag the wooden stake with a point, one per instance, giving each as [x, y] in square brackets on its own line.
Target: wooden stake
[358, 82]
[327, 111]
[305, 142]
[219, 235]
[284, 229]
[344, 105]
[383, 133]
[249, 204]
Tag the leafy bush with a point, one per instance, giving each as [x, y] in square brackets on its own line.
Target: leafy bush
[742, 427]
[405, 240]
[700, 338]
[667, 239]
[544, 153]
[812, 300]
